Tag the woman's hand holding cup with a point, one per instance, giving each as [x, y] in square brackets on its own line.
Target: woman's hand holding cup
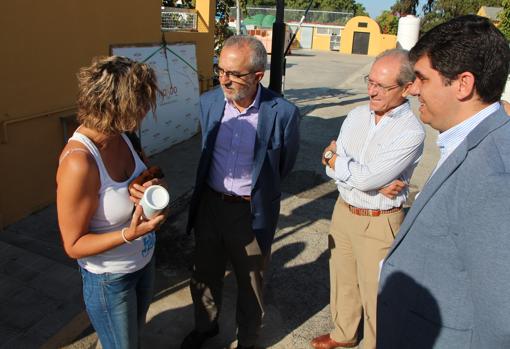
[139, 227]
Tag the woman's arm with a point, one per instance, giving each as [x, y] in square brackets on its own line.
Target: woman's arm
[78, 185]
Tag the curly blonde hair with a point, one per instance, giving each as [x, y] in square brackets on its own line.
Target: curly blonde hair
[115, 93]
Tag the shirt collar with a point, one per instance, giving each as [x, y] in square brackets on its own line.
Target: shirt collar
[455, 135]
[397, 111]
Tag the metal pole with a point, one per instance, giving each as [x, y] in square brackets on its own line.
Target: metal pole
[290, 44]
[238, 18]
[298, 27]
[277, 47]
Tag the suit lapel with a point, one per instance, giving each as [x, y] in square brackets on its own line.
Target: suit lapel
[451, 164]
[430, 188]
[214, 117]
[267, 116]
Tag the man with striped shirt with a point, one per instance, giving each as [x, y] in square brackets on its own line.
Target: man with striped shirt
[372, 161]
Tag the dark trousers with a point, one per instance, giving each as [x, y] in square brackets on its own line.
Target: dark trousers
[223, 232]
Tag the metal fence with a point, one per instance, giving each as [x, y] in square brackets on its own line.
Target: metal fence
[178, 19]
[294, 15]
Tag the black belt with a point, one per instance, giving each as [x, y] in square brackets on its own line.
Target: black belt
[229, 197]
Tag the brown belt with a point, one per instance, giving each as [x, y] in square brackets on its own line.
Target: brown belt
[229, 197]
[372, 213]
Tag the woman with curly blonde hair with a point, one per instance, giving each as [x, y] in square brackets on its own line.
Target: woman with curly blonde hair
[100, 228]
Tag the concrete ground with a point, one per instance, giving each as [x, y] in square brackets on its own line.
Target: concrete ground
[40, 295]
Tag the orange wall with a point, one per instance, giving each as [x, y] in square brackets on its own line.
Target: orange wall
[43, 45]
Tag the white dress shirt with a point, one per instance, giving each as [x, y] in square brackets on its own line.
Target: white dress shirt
[370, 156]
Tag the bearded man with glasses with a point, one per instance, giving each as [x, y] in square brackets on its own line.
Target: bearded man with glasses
[372, 161]
[250, 141]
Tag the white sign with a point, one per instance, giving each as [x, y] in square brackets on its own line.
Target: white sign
[178, 109]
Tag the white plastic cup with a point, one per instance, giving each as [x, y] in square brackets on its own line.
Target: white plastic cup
[155, 199]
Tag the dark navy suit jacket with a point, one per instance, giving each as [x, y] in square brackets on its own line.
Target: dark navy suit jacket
[276, 147]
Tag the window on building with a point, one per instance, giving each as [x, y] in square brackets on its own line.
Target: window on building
[328, 31]
[323, 31]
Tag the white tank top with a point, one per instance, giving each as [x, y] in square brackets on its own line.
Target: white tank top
[114, 212]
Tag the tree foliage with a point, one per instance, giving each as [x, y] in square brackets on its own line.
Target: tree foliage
[504, 17]
[221, 30]
[388, 22]
[439, 11]
[360, 10]
[185, 3]
[405, 7]
[322, 5]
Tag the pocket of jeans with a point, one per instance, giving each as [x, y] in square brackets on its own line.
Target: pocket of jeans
[117, 283]
[89, 286]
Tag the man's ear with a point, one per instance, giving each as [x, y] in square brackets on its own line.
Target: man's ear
[259, 75]
[466, 85]
[407, 89]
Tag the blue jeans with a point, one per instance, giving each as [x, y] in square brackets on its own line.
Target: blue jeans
[117, 305]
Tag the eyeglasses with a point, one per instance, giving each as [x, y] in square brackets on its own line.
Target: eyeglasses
[229, 74]
[379, 87]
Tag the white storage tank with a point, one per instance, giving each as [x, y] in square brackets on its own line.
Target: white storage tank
[408, 32]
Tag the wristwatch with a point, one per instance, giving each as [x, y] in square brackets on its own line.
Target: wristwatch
[328, 155]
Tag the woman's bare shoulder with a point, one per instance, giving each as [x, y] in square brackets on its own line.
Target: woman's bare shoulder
[77, 163]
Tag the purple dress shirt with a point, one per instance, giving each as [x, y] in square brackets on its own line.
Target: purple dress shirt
[232, 160]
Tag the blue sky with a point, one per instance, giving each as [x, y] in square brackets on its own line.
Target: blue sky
[375, 7]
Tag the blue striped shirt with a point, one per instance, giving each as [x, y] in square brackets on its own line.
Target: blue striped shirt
[370, 156]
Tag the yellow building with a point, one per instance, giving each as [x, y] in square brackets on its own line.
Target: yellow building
[43, 45]
[314, 36]
[362, 35]
[490, 13]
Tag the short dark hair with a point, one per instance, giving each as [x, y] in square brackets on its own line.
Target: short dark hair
[468, 44]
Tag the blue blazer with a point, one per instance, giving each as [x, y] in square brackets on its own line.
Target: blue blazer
[446, 281]
[276, 147]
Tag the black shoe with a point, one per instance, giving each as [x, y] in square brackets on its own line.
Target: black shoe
[243, 347]
[195, 339]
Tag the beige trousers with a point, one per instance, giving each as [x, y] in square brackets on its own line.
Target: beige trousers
[357, 245]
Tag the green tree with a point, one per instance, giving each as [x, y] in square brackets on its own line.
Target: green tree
[405, 7]
[323, 5]
[360, 10]
[185, 3]
[504, 17]
[388, 22]
[439, 11]
[262, 3]
[221, 30]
